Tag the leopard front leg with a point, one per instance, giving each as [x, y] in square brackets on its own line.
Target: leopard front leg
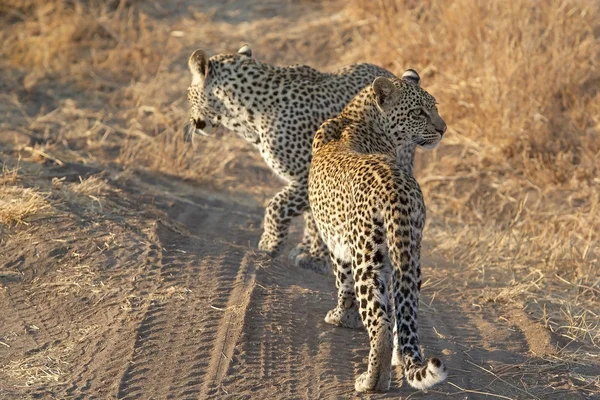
[346, 312]
[312, 252]
[288, 203]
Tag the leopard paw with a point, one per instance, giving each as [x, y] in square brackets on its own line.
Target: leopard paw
[366, 383]
[346, 317]
[269, 245]
[303, 259]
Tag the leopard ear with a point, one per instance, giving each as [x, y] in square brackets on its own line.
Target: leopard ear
[198, 64]
[245, 51]
[411, 76]
[386, 93]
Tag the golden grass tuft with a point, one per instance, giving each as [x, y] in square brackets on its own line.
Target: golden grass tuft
[92, 186]
[18, 204]
[9, 175]
[87, 194]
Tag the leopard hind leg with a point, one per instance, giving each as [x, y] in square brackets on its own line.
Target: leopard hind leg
[376, 312]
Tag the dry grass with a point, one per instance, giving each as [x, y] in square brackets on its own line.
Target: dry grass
[115, 51]
[40, 368]
[18, 204]
[87, 194]
[9, 175]
[92, 186]
[514, 185]
[215, 161]
[73, 278]
[105, 44]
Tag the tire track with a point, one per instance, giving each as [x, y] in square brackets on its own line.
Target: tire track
[184, 340]
[102, 361]
[32, 307]
[210, 319]
[230, 328]
[83, 338]
[287, 350]
[38, 319]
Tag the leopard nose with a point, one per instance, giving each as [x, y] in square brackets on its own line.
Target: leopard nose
[441, 128]
[199, 124]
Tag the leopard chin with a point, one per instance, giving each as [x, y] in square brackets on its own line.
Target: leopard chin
[428, 143]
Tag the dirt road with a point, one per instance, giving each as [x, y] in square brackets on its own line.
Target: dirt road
[186, 308]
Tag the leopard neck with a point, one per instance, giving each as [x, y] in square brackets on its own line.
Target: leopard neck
[405, 157]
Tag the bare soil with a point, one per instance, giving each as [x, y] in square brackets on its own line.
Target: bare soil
[148, 285]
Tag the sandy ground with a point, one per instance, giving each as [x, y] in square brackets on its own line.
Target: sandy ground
[161, 293]
[182, 306]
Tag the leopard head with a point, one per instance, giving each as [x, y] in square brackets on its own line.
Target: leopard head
[207, 96]
[409, 111]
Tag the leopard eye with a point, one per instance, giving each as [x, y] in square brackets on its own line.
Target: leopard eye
[419, 112]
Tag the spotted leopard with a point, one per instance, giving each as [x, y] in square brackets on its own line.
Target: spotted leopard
[278, 110]
[371, 215]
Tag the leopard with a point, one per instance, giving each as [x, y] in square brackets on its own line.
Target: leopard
[371, 213]
[277, 110]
